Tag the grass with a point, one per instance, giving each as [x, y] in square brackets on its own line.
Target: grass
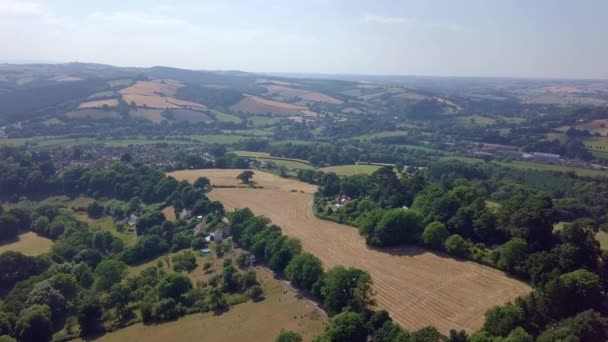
[597, 143]
[478, 120]
[550, 167]
[381, 135]
[600, 154]
[466, 160]
[29, 244]
[349, 170]
[256, 132]
[218, 138]
[251, 154]
[264, 121]
[493, 206]
[223, 117]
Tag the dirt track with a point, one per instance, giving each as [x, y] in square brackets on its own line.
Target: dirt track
[417, 287]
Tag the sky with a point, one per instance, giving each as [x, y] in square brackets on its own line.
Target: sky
[482, 38]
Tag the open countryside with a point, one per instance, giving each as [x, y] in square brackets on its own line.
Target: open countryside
[416, 286]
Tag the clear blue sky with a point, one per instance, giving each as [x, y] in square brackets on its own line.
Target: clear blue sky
[514, 38]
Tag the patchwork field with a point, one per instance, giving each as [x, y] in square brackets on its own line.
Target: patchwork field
[262, 321]
[151, 88]
[29, 244]
[416, 286]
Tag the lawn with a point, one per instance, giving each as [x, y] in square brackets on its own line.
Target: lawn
[29, 244]
[223, 117]
[349, 170]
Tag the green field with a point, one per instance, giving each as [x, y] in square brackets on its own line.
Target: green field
[218, 138]
[223, 117]
[600, 154]
[466, 160]
[549, 167]
[473, 120]
[597, 143]
[251, 154]
[263, 120]
[255, 132]
[381, 135]
[349, 170]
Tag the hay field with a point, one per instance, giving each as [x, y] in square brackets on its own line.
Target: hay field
[99, 104]
[151, 101]
[255, 322]
[169, 213]
[184, 103]
[29, 244]
[416, 286]
[150, 88]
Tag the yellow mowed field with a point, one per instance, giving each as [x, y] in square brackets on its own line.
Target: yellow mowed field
[417, 287]
[99, 104]
[29, 244]
[262, 321]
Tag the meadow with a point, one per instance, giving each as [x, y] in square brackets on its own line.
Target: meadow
[353, 169]
[28, 243]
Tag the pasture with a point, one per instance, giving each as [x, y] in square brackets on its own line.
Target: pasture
[583, 172]
[416, 286]
[349, 170]
[153, 115]
[223, 117]
[258, 105]
[261, 321]
[28, 243]
[93, 114]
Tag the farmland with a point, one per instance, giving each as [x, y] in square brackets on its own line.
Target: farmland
[349, 170]
[153, 115]
[249, 321]
[257, 105]
[417, 287]
[29, 244]
[99, 104]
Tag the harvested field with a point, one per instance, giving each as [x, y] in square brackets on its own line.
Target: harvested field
[261, 321]
[94, 114]
[416, 286]
[169, 213]
[285, 91]
[184, 103]
[151, 88]
[99, 104]
[190, 116]
[29, 244]
[152, 101]
[153, 115]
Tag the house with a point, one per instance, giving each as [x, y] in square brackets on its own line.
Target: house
[133, 219]
[546, 157]
[343, 199]
[185, 214]
[199, 228]
[221, 233]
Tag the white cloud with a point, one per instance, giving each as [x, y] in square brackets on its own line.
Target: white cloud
[382, 19]
[22, 8]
